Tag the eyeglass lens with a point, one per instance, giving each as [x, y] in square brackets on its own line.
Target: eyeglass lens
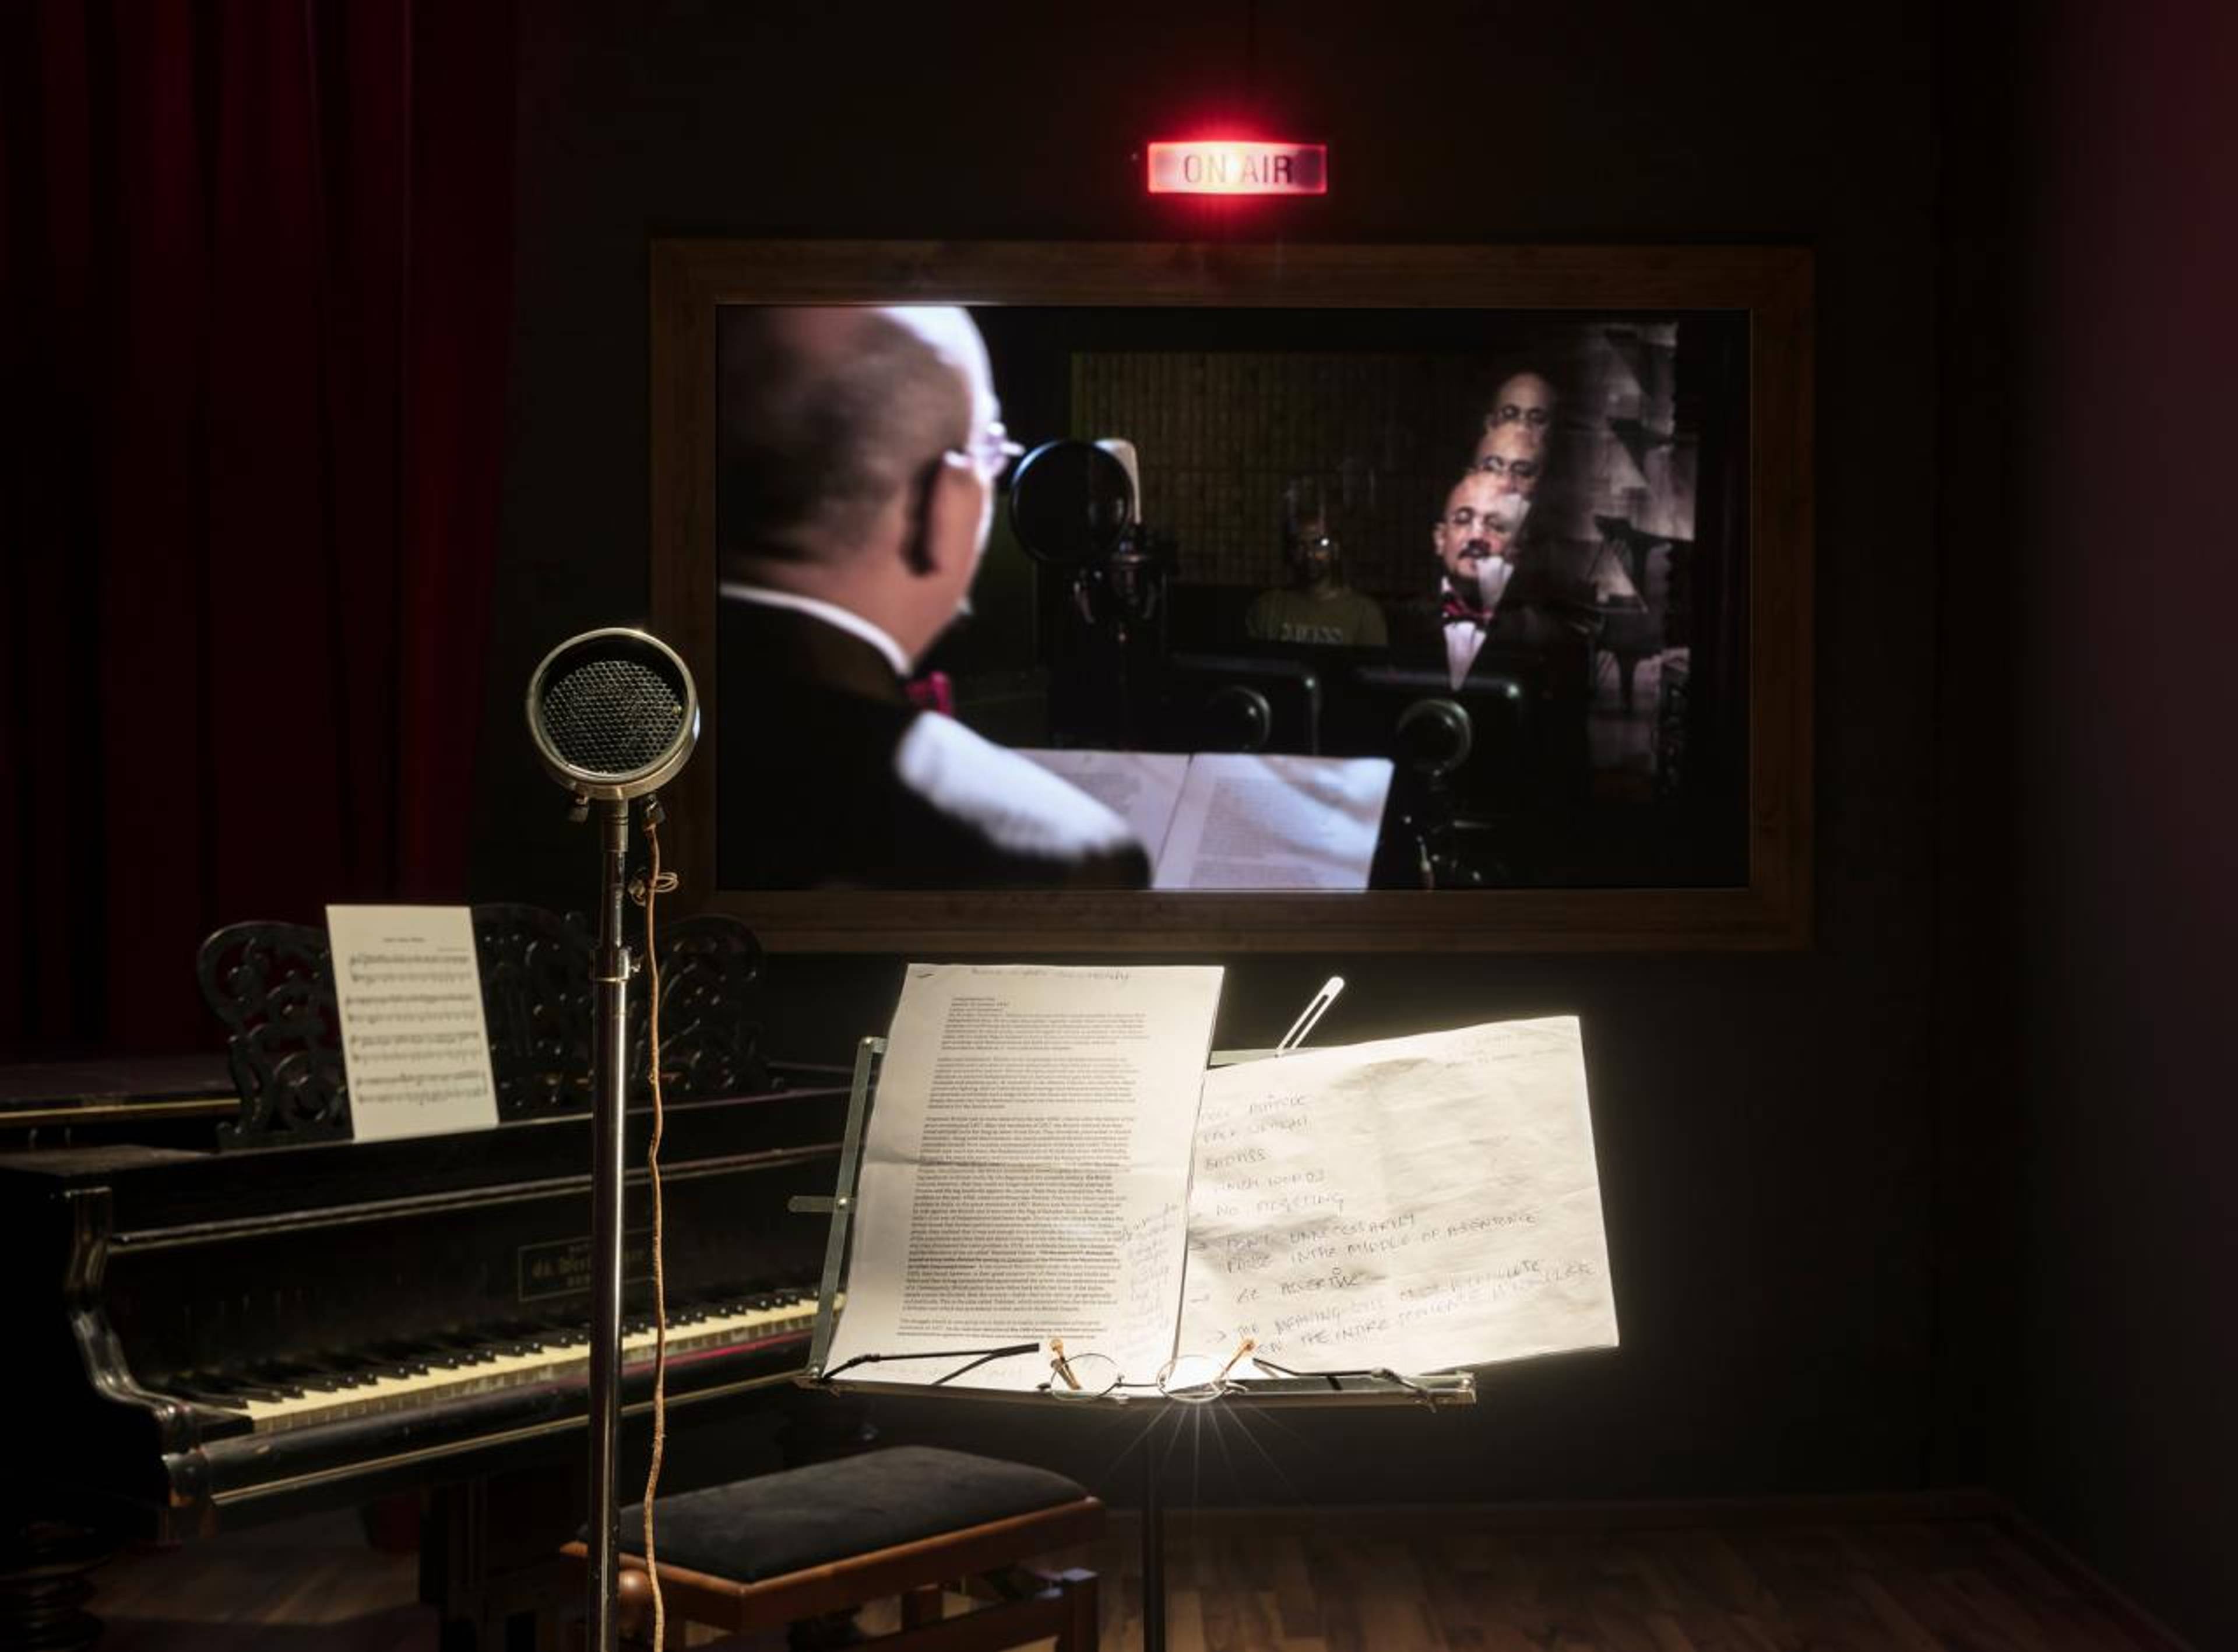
[1192, 1378]
[1082, 1376]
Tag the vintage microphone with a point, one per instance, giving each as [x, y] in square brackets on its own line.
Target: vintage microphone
[613, 715]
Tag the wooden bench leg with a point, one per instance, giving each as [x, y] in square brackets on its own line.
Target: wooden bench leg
[1078, 1587]
[634, 1616]
[924, 1606]
[825, 1631]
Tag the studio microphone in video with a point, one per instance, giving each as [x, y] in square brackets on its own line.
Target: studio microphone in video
[613, 713]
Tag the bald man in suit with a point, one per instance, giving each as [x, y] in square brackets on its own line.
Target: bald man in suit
[859, 454]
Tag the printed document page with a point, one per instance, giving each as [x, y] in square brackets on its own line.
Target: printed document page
[1416, 1204]
[1025, 1172]
[414, 1045]
[1262, 823]
[1139, 787]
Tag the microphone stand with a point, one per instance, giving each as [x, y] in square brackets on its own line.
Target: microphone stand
[609, 1097]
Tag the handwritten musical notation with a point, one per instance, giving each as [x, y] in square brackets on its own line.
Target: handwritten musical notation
[1419, 1203]
[408, 987]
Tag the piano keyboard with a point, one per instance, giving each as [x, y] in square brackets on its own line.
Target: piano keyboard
[405, 1377]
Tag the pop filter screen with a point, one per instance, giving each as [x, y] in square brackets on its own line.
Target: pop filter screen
[612, 712]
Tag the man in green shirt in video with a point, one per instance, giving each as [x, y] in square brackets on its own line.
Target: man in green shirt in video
[1316, 607]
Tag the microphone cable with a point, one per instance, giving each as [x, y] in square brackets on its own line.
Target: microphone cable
[645, 890]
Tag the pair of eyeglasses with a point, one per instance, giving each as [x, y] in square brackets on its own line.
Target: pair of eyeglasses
[1508, 413]
[1325, 542]
[992, 450]
[1521, 470]
[1193, 1379]
[974, 1357]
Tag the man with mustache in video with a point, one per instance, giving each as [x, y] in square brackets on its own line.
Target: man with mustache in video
[1515, 656]
[1489, 593]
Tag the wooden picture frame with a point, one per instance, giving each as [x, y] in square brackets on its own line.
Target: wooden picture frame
[691, 278]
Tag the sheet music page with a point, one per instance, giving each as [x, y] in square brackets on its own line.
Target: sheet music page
[1417, 1203]
[1272, 822]
[410, 992]
[1025, 1172]
[1139, 787]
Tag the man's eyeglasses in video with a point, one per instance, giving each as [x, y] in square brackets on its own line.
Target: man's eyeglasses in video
[992, 450]
[1519, 470]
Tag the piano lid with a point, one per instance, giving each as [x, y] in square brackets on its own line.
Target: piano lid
[157, 1190]
[114, 1092]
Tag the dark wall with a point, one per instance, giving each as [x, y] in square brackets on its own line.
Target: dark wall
[1763, 1123]
[2120, 1437]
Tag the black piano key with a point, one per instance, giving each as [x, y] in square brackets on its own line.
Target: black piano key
[319, 1378]
[278, 1382]
[198, 1388]
[404, 1358]
[248, 1388]
[456, 1352]
[349, 1370]
[281, 1372]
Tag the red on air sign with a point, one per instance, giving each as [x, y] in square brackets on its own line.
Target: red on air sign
[1225, 167]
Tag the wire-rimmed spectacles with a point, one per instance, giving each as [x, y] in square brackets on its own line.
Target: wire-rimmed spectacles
[1193, 1379]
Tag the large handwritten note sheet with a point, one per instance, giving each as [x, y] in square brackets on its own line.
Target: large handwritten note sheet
[1025, 1173]
[414, 1043]
[1418, 1203]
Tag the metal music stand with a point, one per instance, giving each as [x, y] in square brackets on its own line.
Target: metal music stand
[1435, 1391]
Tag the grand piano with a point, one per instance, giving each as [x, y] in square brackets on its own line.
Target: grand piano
[220, 1337]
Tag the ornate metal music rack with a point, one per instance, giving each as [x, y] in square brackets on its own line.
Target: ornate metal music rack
[272, 985]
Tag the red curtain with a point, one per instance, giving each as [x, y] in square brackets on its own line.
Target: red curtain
[256, 261]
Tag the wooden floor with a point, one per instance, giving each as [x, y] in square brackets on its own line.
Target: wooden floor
[1328, 1581]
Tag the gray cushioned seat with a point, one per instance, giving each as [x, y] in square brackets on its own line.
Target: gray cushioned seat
[774, 1523]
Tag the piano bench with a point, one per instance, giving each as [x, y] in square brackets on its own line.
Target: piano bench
[911, 1523]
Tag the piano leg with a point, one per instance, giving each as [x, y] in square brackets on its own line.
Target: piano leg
[489, 1561]
[45, 1581]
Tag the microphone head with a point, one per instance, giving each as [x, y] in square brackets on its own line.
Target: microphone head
[1435, 735]
[613, 713]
